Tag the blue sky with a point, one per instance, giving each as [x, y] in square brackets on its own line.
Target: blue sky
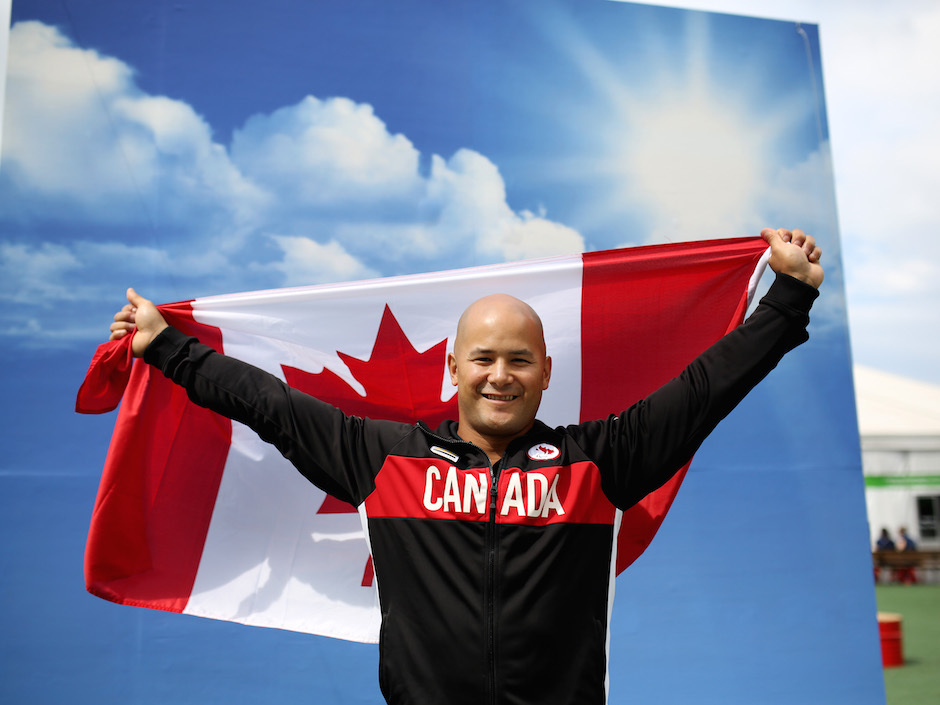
[879, 62]
[399, 151]
[138, 152]
[877, 59]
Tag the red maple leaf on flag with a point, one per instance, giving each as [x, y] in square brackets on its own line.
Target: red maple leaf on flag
[401, 385]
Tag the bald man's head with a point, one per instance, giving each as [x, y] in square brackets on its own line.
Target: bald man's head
[500, 367]
[508, 310]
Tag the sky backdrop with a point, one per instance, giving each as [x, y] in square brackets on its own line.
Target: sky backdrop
[879, 61]
[367, 158]
[198, 148]
[470, 136]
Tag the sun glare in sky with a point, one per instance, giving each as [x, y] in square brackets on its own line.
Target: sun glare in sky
[690, 164]
[681, 147]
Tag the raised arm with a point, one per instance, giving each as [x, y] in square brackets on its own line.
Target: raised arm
[140, 318]
[644, 447]
[339, 453]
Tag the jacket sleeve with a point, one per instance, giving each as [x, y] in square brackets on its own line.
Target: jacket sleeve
[340, 454]
[640, 449]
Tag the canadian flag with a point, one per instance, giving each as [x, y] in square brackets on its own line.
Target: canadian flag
[196, 514]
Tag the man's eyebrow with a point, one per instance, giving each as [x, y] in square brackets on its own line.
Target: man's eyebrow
[488, 351]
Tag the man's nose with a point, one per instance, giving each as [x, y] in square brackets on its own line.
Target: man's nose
[500, 373]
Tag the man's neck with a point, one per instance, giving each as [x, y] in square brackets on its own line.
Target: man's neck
[494, 446]
[494, 451]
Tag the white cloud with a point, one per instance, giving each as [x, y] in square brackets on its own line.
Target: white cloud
[796, 197]
[685, 147]
[49, 274]
[530, 235]
[694, 165]
[307, 261]
[337, 170]
[462, 215]
[879, 62]
[54, 124]
[330, 153]
[35, 274]
[468, 196]
[346, 196]
[139, 259]
[884, 116]
[84, 141]
[56, 294]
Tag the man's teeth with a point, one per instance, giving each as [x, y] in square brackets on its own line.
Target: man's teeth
[500, 397]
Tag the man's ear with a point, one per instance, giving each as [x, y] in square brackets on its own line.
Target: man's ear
[546, 372]
[452, 368]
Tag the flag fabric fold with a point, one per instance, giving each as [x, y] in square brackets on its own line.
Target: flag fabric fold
[195, 514]
[107, 377]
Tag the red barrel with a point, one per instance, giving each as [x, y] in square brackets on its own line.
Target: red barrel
[889, 627]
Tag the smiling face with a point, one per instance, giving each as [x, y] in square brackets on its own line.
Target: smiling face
[500, 369]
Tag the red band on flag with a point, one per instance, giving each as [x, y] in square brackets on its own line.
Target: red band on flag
[158, 487]
[700, 289]
[107, 377]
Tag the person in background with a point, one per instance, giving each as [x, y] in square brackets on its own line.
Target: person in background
[905, 542]
[907, 572]
[885, 542]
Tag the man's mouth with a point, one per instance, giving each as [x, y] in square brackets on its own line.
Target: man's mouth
[500, 397]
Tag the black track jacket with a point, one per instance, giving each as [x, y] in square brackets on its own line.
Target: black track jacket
[495, 583]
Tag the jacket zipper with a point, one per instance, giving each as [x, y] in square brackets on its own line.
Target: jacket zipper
[489, 588]
[489, 572]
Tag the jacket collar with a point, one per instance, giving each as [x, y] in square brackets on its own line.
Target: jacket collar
[446, 439]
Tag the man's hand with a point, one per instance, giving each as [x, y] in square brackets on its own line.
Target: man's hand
[794, 253]
[141, 314]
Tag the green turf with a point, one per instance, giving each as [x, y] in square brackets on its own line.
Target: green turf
[917, 682]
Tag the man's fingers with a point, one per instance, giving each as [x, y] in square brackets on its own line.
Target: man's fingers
[770, 235]
[805, 242]
[781, 234]
[809, 247]
[126, 313]
[119, 330]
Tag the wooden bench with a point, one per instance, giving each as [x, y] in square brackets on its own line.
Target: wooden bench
[907, 566]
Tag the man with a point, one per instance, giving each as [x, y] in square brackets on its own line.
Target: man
[885, 542]
[905, 542]
[493, 537]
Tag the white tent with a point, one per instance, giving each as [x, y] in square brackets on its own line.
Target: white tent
[899, 425]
